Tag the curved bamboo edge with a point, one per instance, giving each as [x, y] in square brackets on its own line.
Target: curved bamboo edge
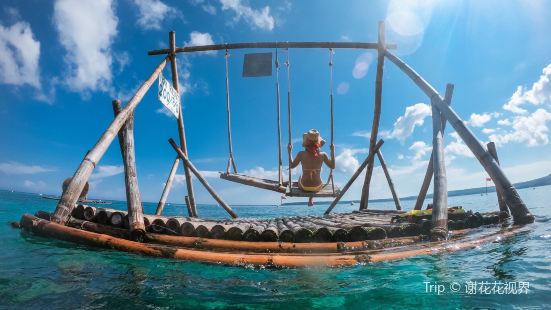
[49, 229]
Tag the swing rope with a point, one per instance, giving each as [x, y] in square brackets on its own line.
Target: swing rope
[287, 65]
[280, 162]
[231, 162]
[330, 178]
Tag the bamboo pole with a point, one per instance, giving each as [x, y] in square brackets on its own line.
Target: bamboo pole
[230, 46]
[493, 151]
[289, 122]
[278, 104]
[428, 174]
[134, 201]
[519, 211]
[202, 179]
[78, 212]
[389, 180]
[82, 174]
[231, 161]
[168, 186]
[439, 222]
[376, 114]
[192, 209]
[354, 176]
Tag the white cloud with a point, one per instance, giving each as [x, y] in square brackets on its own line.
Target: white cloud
[261, 19]
[346, 162]
[13, 167]
[34, 185]
[488, 130]
[539, 93]
[153, 13]
[210, 173]
[106, 171]
[345, 38]
[260, 172]
[197, 38]
[406, 171]
[343, 88]
[163, 110]
[209, 8]
[457, 147]
[420, 149]
[413, 116]
[531, 129]
[504, 122]
[361, 66]
[19, 55]
[179, 179]
[478, 120]
[362, 133]
[86, 30]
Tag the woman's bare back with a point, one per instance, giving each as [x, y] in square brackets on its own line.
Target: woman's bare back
[311, 167]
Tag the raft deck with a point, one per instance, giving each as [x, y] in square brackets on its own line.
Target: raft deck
[259, 253]
[345, 227]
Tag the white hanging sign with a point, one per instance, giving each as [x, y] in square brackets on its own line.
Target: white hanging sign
[168, 96]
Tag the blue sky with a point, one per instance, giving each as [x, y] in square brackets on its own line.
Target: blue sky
[62, 62]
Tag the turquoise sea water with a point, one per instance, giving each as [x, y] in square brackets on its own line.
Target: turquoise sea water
[39, 273]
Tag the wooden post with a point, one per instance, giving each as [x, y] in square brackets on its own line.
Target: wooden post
[376, 114]
[389, 180]
[168, 186]
[492, 150]
[202, 179]
[81, 176]
[133, 199]
[428, 175]
[271, 45]
[519, 211]
[354, 176]
[192, 209]
[425, 186]
[439, 223]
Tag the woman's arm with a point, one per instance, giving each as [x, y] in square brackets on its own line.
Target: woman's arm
[330, 162]
[296, 161]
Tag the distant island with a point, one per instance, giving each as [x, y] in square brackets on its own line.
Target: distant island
[543, 181]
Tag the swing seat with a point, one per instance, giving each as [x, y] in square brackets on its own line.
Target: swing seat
[325, 191]
[255, 182]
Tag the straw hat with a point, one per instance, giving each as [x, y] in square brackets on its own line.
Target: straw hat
[312, 135]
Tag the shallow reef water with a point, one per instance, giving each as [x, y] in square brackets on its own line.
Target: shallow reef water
[42, 273]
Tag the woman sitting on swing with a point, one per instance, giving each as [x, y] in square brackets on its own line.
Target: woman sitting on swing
[311, 160]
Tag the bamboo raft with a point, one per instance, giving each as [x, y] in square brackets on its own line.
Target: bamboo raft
[350, 239]
[331, 240]
[346, 227]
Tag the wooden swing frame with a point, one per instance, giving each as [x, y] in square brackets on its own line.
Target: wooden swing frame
[441, 111]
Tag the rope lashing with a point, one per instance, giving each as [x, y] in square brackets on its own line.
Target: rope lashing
[231, 162]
